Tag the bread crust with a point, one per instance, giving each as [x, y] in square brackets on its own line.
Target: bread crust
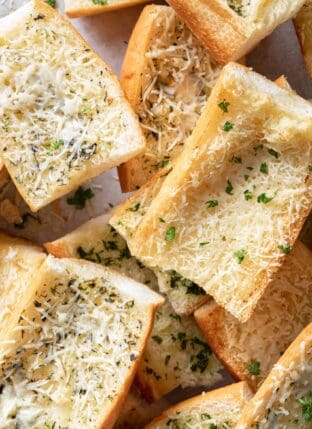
[238, 392]
[293, 358]
[74, 10]
[39, 6]
[303, 26]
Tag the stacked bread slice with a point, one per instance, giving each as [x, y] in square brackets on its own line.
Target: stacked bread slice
[303, 25]
[76, 8]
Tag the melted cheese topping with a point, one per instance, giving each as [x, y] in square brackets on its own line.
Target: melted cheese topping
[63, 117]
[177, 80]
[77, 344]
[245, 192]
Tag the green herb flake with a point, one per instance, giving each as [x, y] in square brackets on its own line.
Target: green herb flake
[205, 416]
[273, 153]
[203, 244]
[228, 126]
[250, 168]
[157, 339]
[224, 106]
[254, 368]
[80, 198]
[286, 248]
[170, 233]
[134, 208]
[310, 168]
[248, 195]
[100, 2]
[264, 168]
[262, 198]
[229, 189]
[55, 144]
[6, 123]
[307, 407]
[211, 203]
[240, 255]
[52, 3]
[167, 359]
[246, 177]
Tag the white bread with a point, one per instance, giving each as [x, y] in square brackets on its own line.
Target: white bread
[176, 353]
[303, 25]
[19, 263]
[78, 345]
[219, 408]
[240, 191]
[68, 121]
[249, 350]
[284, 399]
[167, 76]
[76, 8]
[230, 29]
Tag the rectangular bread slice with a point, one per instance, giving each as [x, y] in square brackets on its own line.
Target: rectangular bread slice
[237, 196]
[167, 76]
[231, 28]
[79, 342]
[65, 117]
[219, 408]
[76, 8]
[285, 398]
[19, 262]
[303, 25]
[249, 350]
[176, 354]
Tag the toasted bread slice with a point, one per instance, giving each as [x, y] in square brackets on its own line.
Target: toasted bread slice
[284, 400]
[79, 344]
[76, 8]
[19, 262]
[66, 119]
[231, 28]
[4, 177]
[167, 76]
[250, 350]
[176, 354]
[303, 25]
[238, 194]
[218, 408]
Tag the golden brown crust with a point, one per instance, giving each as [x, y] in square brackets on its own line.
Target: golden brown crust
[294, 356]
[74, 10]
[57, 249]
[143, 35]
[303, 26]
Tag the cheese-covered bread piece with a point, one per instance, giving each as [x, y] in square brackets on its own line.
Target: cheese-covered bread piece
[237, 196]
[249, 350]
[19, 262]
[219, 408]
[284, 401]
[176, 354]
[65, 119]
[167, 76]
[78, 344]
[231, 28]
[76, 8]
[303, 25]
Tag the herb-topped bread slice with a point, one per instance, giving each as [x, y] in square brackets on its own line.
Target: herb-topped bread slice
[285, 398]
[176, 354]
[78, 345]
[76, 8]
[249, 350]
[184, 295]
[167, 76]
[219, 408]
[19, 263]
[237, 195]
[303, 25]
[231, 28]
[65, 119]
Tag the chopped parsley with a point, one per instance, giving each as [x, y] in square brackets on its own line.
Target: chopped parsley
[162, 220]
[100, 2]
[6, 123]
[170, 233]
[224, 106]
[264, 168]
[228, 126]
[212, 203]
[240, 255]
[236, 159]
[52, 3]
[157, 339]
[167, 359]
[310, 167]
[254, 368]
[134, 208]
[203, 244]
[55, 144]
[286, 248]
[307, 407]
[80, 198]
[205, 416]
[229, 189]
[273, 153]
[247, 195]
[176, 281]
[262, 198]
[246, 177]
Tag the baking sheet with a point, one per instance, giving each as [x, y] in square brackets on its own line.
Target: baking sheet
[108, 34]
